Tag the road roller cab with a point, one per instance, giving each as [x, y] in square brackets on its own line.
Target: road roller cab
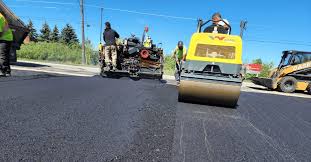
[211, 73]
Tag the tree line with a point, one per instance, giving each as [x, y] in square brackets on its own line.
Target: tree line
[67, 34]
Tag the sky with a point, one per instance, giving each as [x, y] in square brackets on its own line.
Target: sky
[273, 26]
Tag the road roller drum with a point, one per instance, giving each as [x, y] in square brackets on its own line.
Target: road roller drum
[212, 93]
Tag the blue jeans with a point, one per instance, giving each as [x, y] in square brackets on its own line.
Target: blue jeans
[177, 71]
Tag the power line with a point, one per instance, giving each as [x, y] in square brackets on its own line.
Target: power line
[277, 42]
[50, 2]
[57, 20]
[247, 40]
[113, 9]
[161, 15]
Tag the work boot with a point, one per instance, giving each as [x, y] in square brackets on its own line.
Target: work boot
[107, 68]
[2, 74]
[7, 71]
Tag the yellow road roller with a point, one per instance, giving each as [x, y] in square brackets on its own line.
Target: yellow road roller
[211, 73]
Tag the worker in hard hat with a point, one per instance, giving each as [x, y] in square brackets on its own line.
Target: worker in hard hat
[216, 27]
[179, 55]
[101, 52]
[6, 39]
[225, 24]
[148, 42]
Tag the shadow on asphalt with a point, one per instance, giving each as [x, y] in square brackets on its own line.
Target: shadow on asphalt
[26, 64]
[269, 90]
[132, 79]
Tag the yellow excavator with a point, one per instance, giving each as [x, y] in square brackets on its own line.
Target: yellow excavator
[292, 74]
[211, 73]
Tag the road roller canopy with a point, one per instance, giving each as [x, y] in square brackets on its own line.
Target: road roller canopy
[213, 47]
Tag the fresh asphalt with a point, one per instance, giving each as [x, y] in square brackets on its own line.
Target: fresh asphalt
[46, 117]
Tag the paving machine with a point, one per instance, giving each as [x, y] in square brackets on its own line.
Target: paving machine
[292, 74]
[211, 73]
[136, 59]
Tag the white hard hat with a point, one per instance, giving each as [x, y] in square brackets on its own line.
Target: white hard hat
[222, 23]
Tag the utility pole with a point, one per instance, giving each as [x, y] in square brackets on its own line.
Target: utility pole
[101, 24]
[242, 27]
[82, 31]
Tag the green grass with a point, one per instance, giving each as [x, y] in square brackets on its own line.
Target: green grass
[70, 54]
[169, 65]
[55, 52]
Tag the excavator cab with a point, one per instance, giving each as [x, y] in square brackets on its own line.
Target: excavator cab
[212, 71]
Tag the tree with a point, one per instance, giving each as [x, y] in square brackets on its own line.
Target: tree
[257, 61]
[55, 34]
[33, 35]
[266, 69]
[45, 32]
[68, 35]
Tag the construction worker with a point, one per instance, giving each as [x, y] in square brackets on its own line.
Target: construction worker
[179, 55]
[101, 51]
[6, 38]
[148, 42]
[224, 23]
[110, 36]
[216, 27]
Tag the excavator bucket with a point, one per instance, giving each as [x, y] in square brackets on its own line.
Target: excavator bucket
[266, 82]
[212, 73]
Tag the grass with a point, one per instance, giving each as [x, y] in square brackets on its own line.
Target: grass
[69, 54]
[55, 52]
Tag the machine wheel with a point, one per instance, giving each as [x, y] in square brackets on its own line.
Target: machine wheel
[309, 89]
[288, 84]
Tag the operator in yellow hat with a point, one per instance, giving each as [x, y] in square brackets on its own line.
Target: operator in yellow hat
[6, 39]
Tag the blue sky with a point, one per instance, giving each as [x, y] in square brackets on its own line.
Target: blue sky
[273, 26]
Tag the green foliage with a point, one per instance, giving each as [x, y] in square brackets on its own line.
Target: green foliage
[169, 65]
[68, 35]
[55, 52]
[266, 69]
[45, 32]
[33, 35]
[55, 34]
[257, 61]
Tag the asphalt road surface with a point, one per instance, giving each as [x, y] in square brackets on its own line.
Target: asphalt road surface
[53, 118]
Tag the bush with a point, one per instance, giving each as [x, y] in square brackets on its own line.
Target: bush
[169, 65]
[266, 69]
[56, 52]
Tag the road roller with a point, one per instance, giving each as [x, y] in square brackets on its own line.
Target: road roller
[211, 73]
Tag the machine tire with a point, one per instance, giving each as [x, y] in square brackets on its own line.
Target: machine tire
[309, 89]
[288, 84]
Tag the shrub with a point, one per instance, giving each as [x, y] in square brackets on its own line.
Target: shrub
[56, 52]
